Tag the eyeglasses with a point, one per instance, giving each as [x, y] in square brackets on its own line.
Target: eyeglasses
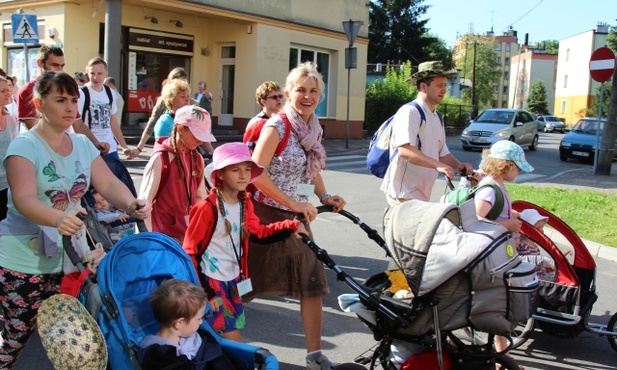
[275, 97]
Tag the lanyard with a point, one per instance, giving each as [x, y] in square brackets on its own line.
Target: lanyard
[187, 177]
[236, 253]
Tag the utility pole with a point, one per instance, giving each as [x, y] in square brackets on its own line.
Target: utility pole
[474, 104]
[351, 62]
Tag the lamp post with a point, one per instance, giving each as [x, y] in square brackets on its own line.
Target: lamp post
[351, 61]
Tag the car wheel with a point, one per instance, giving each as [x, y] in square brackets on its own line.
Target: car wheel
[466, 148]
[534, 143]
[563, 158]
[546, 130]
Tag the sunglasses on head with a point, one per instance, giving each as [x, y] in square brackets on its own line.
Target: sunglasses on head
[275, 97]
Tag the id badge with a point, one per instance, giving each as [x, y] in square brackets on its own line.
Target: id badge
[244, 287]
[305, 189]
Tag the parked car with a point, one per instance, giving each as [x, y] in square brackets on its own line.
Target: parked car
[497, 124]
[549, 123]
[580, 142]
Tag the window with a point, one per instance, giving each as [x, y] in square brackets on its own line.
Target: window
[507, 47]
[505, 89]
[506, 76]
[567, 54]
[498, 60]
[565, 81]
[563, 106]
[506, 61]
[17, 64]
[322, 59]
[498, 46]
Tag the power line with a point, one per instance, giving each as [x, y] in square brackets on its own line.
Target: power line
[523, 16]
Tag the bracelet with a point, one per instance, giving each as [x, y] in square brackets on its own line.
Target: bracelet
[323, 196]
[138, 148]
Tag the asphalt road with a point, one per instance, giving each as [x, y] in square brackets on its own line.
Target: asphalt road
[275, 323]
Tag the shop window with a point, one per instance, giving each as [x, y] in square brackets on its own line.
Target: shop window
[300, 55]
[17, 64]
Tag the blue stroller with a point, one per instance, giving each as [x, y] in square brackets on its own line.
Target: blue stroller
[126, 276]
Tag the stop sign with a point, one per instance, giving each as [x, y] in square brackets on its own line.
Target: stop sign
[602, 64]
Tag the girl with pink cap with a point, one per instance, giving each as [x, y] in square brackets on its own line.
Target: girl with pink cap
[174, 177]
[217, 236]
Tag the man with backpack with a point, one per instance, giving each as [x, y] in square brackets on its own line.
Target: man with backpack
[418, 140]
[97, 108]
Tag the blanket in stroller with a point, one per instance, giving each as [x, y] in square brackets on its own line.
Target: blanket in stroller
[468, 264]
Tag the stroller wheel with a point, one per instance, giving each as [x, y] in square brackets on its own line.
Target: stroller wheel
[350, 366]
[612, 327]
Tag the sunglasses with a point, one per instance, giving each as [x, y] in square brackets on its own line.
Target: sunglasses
[275, 97]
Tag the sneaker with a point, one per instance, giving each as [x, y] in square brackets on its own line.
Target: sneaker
[321, 363]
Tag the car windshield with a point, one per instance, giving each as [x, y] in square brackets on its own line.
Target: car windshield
[588, 125]
[552, 118]
[492, 116]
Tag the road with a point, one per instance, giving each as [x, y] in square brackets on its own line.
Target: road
[275, 323]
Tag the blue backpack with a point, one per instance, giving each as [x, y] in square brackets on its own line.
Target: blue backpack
[378, 157]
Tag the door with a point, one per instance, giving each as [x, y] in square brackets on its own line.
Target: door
[226, 93]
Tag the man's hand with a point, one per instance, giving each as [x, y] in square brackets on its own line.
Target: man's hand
[446, 170]
[103, 147]
[465, 168]
[128, 153]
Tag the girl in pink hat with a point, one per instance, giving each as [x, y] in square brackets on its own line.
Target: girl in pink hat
[217, 236]
[174, 177]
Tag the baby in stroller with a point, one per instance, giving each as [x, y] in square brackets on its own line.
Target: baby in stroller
[115, 221]
[179, 307]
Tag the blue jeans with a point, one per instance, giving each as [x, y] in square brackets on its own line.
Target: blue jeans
[111, 155]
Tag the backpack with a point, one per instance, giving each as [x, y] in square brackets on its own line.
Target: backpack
[251, 135]
[463, 194]
[87, 102]
[378, 157]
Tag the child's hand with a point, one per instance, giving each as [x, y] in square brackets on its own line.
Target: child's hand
[214, 303]
[123, 217]
[301, 230]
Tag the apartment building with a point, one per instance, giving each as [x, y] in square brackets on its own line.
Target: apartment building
[575, 90]
[233, 45]
[526, 68]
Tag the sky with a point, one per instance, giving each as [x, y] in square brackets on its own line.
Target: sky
[541, 19]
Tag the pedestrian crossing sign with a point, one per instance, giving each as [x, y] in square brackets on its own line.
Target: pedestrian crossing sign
[25, 28]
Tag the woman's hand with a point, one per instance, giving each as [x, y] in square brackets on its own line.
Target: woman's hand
[337, 202]
[301, 231]
[140, 209]
[69, 224]
[307, 209]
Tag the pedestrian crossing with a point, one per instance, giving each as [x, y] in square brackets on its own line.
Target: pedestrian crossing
[347, 163]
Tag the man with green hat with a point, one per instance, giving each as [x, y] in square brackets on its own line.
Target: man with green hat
[422, 150]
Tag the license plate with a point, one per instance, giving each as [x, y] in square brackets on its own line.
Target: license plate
[480, 141]
[580, 154]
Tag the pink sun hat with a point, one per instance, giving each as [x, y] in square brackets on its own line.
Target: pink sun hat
[197, 120]
[233, 153]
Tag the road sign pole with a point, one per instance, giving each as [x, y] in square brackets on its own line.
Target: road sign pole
[598, 142]
[27, 69]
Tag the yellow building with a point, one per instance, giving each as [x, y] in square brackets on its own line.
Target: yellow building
[233, 45]
[575, 89]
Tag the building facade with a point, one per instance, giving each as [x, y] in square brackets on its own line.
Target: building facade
[528, 67]
[233, 45]
[575, 90]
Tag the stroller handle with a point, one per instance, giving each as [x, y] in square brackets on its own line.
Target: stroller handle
[70, 251]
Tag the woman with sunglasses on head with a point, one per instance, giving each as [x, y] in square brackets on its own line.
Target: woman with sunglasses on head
[268, 95]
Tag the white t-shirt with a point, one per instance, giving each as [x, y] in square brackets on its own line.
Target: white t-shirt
[219, 260]
[404, 180]
[101, 113]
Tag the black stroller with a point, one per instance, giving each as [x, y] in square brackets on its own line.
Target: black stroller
[463, 273]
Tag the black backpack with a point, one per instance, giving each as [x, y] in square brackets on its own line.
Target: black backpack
[87, 102]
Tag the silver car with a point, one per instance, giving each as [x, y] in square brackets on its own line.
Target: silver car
[492, 125]
[551, 124]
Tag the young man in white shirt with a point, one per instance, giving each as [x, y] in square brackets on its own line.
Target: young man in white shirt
[100, 114]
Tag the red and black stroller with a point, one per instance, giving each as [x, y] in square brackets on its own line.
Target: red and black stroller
[565, 300]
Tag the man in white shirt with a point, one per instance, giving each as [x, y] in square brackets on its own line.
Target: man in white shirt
[100, 113]
[422, 151]
[111, 83]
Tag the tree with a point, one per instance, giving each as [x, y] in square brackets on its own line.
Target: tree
[438, 50]
[606, 152]
[487, 70]
[551, 46]
[592, 110]
[536, 102]
[396, 32]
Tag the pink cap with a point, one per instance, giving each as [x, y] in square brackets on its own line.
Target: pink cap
[197, 120]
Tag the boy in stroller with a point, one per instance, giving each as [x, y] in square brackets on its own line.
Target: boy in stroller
[114, 220]
[179, 307]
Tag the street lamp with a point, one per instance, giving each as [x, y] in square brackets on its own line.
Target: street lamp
[351, 61]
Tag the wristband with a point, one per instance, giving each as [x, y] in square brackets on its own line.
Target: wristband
[138, 148]
[323, 196]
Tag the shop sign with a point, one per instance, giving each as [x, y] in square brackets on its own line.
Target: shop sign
[158, 41]
[141, 101]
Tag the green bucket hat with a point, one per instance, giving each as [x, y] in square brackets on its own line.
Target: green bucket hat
[431, 69]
